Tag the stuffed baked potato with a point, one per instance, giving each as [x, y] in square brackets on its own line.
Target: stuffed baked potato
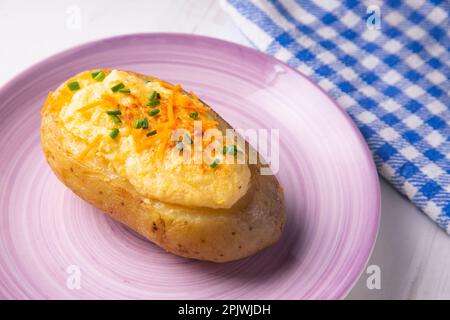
[107, 135]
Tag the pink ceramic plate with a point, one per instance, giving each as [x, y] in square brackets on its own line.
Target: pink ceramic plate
[332, 194]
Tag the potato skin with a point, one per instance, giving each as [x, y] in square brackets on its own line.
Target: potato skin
[220, 235]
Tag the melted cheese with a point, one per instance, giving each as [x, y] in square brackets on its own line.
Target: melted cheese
[136, 157]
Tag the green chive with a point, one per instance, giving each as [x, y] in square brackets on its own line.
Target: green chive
[153, 103]
[114, 133]
[114, 112]
[116, 119]
[117, 87]
[187, 138]
[179, 145]
[151, 133]
[137, 124]
[193, 115]
[74, 86]
[125, 90]
[153, 112]
[99, 76]
[144, 123]
[147, 81]
[214, 163]
[152, 95]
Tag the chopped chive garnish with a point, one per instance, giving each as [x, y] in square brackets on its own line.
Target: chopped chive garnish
[193, 115]
[153, 112]
[140, 123]
[74, 86]
[125, 90]
[152, 95]
[153, 103]
[117, 87]
[114, 112]
[214, 163]
[116, 119]
[144, 123]
[114, 133]
[151, 133]
[99, 76]
[187, 138]
[179, 145]
[147, 81]
[230, 150]
[137, 124]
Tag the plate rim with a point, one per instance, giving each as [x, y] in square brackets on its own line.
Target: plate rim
[372, 176]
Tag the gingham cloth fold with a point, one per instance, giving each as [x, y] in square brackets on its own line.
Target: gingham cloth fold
[393, 81]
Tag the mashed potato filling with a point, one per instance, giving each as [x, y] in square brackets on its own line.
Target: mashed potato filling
[166, 178]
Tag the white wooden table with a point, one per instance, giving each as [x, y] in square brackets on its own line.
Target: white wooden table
[412, 253]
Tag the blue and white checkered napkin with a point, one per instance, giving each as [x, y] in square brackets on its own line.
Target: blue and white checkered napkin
[387, 65]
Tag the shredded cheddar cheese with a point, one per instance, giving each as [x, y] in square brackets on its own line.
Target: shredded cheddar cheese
[170, 114]
[174, 105]
[91, 146]
[47, 102]
[90, 105]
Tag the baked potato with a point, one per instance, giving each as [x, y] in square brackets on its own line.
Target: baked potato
[108, 136]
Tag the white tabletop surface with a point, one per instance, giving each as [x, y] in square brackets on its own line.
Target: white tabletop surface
[412, 252]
